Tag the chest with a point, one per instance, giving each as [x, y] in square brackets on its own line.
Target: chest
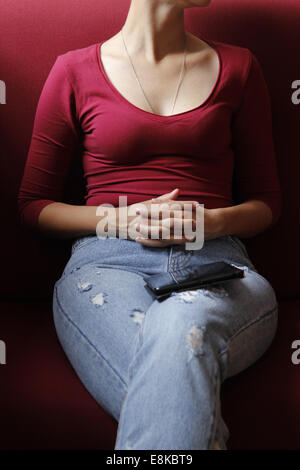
[118, 133]
[166, 86]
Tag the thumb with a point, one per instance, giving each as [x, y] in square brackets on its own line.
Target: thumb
[172, 195]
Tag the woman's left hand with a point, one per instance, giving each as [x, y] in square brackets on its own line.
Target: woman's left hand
[213, 222]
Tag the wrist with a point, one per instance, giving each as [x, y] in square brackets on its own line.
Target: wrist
[124, 221]
[220, 222]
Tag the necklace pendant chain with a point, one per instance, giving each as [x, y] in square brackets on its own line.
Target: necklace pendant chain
[140, 85]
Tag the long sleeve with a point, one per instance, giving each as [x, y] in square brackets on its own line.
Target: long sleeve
[53, 143]
[255, 172]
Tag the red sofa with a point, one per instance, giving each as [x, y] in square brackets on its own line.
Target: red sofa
[43, 404]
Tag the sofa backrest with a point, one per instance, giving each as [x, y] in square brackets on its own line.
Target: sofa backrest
[34, 33]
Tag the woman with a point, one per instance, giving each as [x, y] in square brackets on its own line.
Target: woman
[162, 117]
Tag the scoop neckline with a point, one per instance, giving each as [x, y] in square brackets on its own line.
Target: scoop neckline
[154, 116]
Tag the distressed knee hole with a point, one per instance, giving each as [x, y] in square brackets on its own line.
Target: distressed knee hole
[195, 339]
[99, 299]
[187, 296]
[215, 291]
[138, 316]
[84, 286]
[190, 296]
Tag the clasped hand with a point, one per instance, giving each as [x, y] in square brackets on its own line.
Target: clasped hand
[163, 226]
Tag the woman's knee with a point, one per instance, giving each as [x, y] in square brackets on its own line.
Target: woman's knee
[250, 343]
[211, 316]
[183, 321]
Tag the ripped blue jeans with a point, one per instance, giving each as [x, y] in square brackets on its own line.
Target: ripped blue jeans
[157, 367]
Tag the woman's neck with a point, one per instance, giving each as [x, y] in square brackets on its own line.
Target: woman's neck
[154, 29]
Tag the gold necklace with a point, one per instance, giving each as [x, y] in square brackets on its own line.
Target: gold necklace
[180, 76]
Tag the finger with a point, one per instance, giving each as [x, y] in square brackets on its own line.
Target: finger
[171, 203]
[159, 210]
[166, 214]
[151, 231]
[160, 243]
[165, 229]
[166, 196]
[150, 242]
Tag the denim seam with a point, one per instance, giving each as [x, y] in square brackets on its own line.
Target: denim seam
[81, 244]
[256, 320]
[118, 434]
[88, 341]
[170, 259]
[214, 424]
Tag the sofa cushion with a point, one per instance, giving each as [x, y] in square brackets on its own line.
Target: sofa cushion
[44, 405]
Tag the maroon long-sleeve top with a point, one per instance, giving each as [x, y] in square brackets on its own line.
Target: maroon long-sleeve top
[130, 151]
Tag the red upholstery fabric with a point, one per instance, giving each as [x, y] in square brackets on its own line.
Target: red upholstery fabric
[44, 405]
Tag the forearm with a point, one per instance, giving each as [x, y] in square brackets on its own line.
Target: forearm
[244, 220]
[60, 220]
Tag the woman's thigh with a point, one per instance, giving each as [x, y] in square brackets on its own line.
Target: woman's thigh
[234, 322]
[103, 313]
[98, 313]
[238, 317]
